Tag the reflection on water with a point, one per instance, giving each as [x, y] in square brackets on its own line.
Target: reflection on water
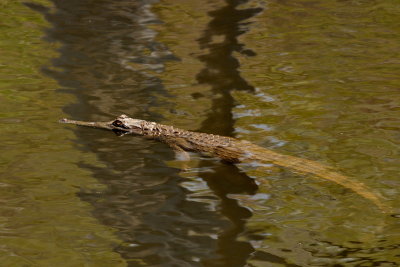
[155, 216]
[325, 74]
[221, 71]
[220, 41]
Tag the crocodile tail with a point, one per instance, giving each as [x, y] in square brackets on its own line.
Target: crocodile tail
[357, 187]
[305, 166]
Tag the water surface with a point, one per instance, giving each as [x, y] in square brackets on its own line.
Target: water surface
[313, 79]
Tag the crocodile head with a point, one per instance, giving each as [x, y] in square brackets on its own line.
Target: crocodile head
[128, 125]
[121, 125]
[134, 126]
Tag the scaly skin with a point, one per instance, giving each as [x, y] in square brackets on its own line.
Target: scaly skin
[230, 150]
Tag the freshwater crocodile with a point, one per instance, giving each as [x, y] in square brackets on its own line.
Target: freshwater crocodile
[228, 149]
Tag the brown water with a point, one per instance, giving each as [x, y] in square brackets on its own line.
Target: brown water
[313, 79]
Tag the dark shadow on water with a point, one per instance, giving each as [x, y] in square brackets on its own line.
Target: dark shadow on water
[222, 73]
[221, 67]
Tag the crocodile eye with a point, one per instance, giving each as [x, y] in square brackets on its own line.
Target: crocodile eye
[120, 124]
[117, 123]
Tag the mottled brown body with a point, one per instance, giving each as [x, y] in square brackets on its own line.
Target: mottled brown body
[230, 150]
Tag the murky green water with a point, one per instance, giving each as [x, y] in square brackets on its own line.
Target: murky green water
[313, 79]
